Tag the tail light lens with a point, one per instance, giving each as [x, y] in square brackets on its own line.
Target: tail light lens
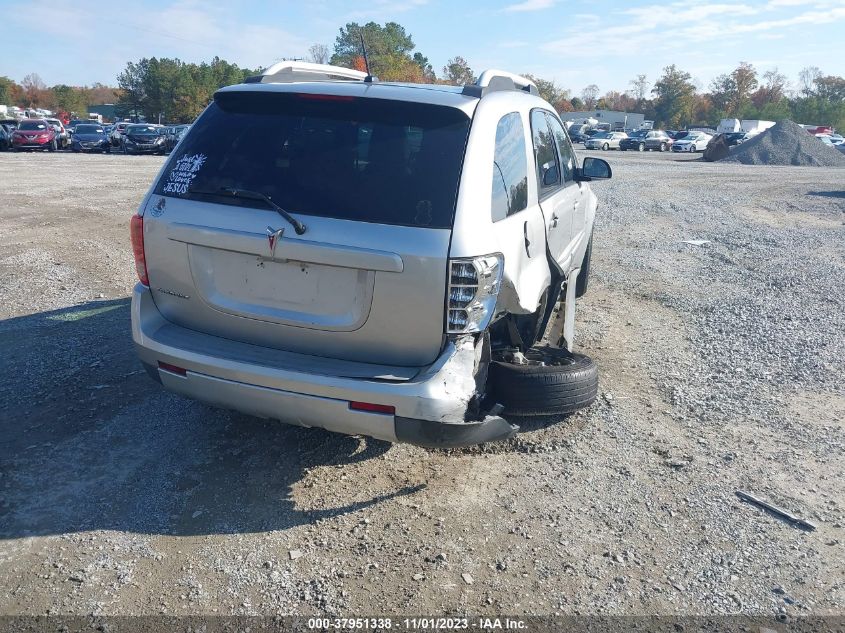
[136, 231]
[473, 289]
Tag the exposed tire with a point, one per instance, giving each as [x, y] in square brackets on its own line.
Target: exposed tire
[605, 147]
[641, 147]
[663, 147]
[584, 275]
[693, 149]
[568, 385]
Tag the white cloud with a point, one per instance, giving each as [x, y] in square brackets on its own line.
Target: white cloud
[774, 4]
[383, 9]
[690, 22]
[529, 5]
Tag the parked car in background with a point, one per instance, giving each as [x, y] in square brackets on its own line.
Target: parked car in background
[62, 135]
[642, 140]
[577, 136]
[90, 137]
[693, 141]
[71, 126]
[143, 138]
[736, 138]
[117, 132]
[5, 139]
[34, 134]
[174, 135]
[605, 140]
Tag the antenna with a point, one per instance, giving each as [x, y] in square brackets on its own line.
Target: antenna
[369, 78]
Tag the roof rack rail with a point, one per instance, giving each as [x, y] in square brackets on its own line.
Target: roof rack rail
[293, 71]
[495, 80]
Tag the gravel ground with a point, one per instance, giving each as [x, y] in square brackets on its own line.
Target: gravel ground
[720, 366]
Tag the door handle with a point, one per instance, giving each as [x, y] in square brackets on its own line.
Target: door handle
[527, 241]
[554, 219]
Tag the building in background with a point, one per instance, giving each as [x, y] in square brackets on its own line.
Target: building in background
[615, 120]
[106, 110]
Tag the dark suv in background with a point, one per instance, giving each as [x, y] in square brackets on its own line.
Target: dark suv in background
[642, 140]
[142, 138]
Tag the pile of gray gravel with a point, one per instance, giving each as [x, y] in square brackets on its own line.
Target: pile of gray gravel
[786, 143]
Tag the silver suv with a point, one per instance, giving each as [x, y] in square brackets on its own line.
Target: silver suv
[369, 258]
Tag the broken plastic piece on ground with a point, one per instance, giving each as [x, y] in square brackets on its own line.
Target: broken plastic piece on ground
[696, 242]
[776, 510]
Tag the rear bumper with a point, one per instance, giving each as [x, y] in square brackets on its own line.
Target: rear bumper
[430, 403]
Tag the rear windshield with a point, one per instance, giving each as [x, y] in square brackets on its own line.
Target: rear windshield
[142, 129]
[362, 159]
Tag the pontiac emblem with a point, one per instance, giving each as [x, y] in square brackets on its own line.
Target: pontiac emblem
[273, 236]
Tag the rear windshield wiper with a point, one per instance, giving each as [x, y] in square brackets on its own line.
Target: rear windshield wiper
[298, 226]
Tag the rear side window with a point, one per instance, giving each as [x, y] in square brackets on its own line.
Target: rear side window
[548, 174]
[362, 159]
[510, 168]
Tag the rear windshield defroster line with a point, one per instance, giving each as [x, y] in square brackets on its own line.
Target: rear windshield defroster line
[361, 159]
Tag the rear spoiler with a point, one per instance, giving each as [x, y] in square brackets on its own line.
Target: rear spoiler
[294, 71]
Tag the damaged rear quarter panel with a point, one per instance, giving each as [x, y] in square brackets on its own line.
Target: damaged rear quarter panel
[449, 384]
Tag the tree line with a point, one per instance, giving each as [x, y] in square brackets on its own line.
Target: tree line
[32, 92]
[177, 91]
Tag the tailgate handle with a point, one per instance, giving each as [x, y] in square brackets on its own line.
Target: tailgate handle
[293, 249]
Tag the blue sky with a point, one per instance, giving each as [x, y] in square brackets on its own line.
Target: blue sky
[573, 42]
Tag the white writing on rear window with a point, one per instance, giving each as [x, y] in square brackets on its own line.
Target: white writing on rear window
[183, 173]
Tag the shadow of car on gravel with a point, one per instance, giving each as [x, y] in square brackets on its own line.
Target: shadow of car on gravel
[827, 194]
[89, 442]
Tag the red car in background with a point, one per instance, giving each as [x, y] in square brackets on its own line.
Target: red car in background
[35, 134]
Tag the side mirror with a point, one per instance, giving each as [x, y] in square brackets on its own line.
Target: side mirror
[550, 176]
[595, 169]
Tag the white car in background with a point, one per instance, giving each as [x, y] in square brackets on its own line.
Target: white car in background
[62, 135]
[830, 139]
[692, 142]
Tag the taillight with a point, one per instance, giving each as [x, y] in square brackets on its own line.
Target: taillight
[136, 231]
[323, 97]
[473, 288]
